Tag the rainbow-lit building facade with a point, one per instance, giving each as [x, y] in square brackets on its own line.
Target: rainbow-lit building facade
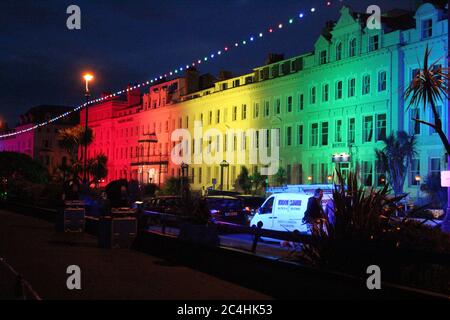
[331, 107]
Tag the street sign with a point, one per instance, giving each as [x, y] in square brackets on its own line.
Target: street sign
[445, 179]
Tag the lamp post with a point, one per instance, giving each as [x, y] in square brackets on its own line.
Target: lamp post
[223, 164]
[87, 77]
[418, 179]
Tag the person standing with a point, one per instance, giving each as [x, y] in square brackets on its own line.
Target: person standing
[315, 216]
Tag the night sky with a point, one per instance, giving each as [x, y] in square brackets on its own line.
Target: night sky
[123, 42]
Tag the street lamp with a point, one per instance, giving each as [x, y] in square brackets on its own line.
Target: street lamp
[418, 178]
[223, 164]
[87, 77]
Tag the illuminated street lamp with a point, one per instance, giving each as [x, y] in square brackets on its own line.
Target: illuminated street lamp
[418, 179]
[87, 77]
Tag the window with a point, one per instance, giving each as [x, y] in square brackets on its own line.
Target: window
[256, 110]
[414, 125]
[382, 81]
[244, 111]
[374, 43]
[300, 134]
[352, 48]
[210, 118]
[324, 133]
[414, 172]
[313, 95]
[235, 110]
[236, 83]
[339, 90]
[314, 135]
[351, 130]
[381, 127]
[338, 132]
[301, 102]
[289, 104]
[427, 28]
[367, 173]
[278, 106]
[275, 71]
[289, 136]
[366, 85]
[218, 116]
[339, 51]
[435, 167]
[267, 207]
[351, 87]
[367, 129]
[323, 56]
[325, 90]
[266, 108]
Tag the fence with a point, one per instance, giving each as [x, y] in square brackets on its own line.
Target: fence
[13, 285]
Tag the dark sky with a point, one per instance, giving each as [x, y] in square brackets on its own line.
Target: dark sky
[122, 42]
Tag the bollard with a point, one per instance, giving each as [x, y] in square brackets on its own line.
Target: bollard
[256, 236]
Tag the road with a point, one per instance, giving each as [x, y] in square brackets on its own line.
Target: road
[269, 248]
[42, 256]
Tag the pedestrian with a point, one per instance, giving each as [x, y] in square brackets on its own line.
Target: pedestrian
[315, 217]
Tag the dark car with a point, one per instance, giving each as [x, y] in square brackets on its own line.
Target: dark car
[251, 203]
[155, 210]
[227, 209]
[169, 205]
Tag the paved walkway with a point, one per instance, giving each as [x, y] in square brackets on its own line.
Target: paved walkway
[33, 248]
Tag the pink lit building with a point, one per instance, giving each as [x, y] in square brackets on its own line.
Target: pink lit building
[41, 144]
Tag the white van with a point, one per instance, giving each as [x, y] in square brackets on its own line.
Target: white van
[283, 212]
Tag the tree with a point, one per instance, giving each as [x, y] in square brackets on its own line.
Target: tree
[429, 87]
[258, 182]
[395, 158]
[73, 140]
[97, 168]
[243, 182]
[281, 177]
[19, 166]
[436, 194]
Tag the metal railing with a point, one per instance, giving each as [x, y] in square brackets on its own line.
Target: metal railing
[20, 289]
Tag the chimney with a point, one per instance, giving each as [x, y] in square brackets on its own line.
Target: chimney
[224, 75]
[133, 96]
[191, 77]
[274, 57]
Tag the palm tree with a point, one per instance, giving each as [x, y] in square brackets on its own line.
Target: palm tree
[281, 177]
[72, 140]
[97, 168]
[395, 158]
[428, 87]
[258, 182]
[243, 181]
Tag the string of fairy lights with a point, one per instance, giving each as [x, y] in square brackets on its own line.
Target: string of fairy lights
[174, 72]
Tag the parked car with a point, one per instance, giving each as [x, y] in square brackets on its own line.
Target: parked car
[283, 212]
[168, 204]
[251, 203]
[227, 209]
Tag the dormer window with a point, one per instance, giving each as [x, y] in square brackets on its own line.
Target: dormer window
[323, 56]
[374, 43]
[427, 28]
[352, 48]
[338, 51]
